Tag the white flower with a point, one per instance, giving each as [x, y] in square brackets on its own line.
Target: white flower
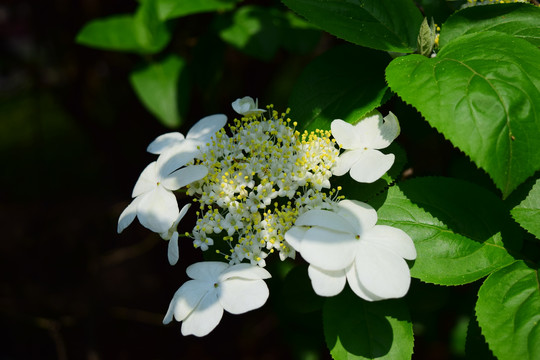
[216, 286]
[246, 106]
[155, 204]
[346, 245]
[172, 235]
[361, 142]
[176, 150]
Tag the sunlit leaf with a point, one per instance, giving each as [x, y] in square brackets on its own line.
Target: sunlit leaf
[159, 85]
[111, 33]
[527, 214]
[170, 9]
[461, 231]
[520, 20]
[482, 92]
[508, 312]
[151, 33]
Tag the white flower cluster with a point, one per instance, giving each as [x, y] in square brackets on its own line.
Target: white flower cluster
[260, 179]
[262, 187]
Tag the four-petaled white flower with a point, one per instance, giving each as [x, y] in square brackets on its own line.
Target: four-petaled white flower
[216, 286]
[172, 235]
[175, 150]
[155, 204]
[247, 106]
[346, 245]
[361, 142]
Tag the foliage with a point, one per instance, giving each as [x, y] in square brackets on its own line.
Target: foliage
[479, 88]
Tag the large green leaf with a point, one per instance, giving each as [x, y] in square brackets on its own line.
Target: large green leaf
[111, 33]
[508, 311]
[170, 9]
[390, 25]
[527, 213]
[159, 86]
[345, 83]
[519, 20]
[482, 92]
[358, 329]
[461, 231]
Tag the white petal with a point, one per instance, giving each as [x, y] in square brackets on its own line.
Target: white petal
[177, 156]
[245, 271]
[345, 161]
[382, 272]
[169, 233]
[344, 134]
[206, 270]
[158, 210]
[206, 127]
[164, 142]
[147, 180]
[244, 105]
[128, 215]
[392, 239]
[328, 249]
[205, 317]
[368, 129]
[185, 299]
[238, 296]
[360, 215]
[183, 213]
[325, 282]
[385, 133]
[184, 176]
[325, 219]
[371, 165]
[294, 237]
[172, 252]
[358, 288]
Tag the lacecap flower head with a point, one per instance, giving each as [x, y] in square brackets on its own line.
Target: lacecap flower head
[259, 187]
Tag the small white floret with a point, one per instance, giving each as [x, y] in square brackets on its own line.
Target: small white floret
[362, 143]
[247, 106]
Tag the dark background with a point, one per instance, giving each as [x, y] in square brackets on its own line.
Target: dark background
[72, 144]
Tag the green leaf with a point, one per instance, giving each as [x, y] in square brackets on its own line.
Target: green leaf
[111, 33]
[527, 213]
[461, 231]
[390, 25]
[260, 32]
[170, 9]
[358, 329]
[345, 83]
[426, 38]
[519, 20]
[508, 312]
[482, 92]
[158, 86]
[151, 33]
